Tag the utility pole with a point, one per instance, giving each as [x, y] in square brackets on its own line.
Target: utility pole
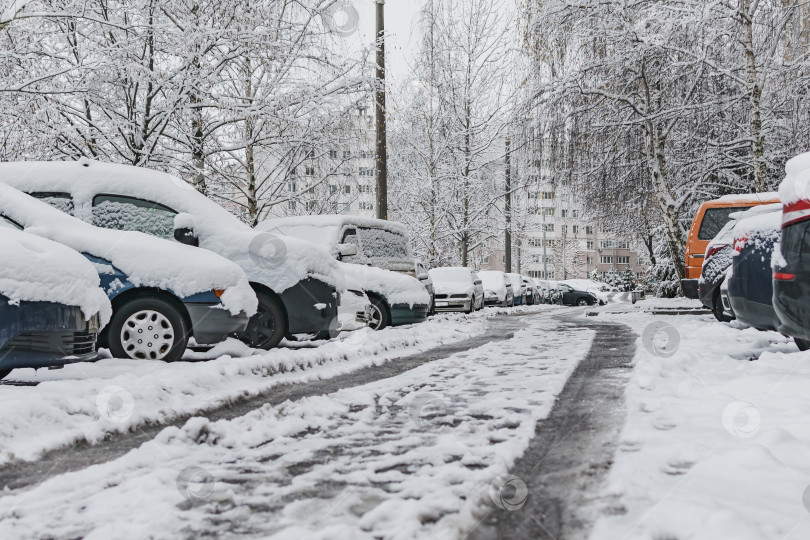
[508, 209]
[382, 143]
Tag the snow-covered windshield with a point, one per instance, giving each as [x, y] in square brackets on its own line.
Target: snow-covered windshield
[61, 201]
[458, 275]
[383, 244]
[128, 214]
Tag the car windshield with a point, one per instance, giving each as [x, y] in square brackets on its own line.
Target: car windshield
[714, 219]
[459, 275]
[382, 243]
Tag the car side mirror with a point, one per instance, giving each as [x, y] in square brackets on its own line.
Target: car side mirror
[477, 282]
[346, 250]
[186, 236]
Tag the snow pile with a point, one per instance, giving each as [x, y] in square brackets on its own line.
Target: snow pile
[396, 288]
[86, 400]
[412, 456]
[38, 270]
[716, 440]
[146, 260]
[268, 258]
[494, 281]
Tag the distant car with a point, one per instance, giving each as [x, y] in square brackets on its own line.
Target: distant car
[162, 293]
[750, 287]
[423, 275]
[297, 283]
[51, 304]
[517, 288]
[574, 297]
[497, 288]
[709, 219]
[791, 264]
[457, 289]
[718, 259]
[532, 295]
[555, 292]
[375, 253]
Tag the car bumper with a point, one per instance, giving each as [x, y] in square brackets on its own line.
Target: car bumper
[311, 306]
[791, 302]
[690, 288]
[43, 334]
[354, 312]
[453, 304]
[211, 324]
[760, 316]
[405, 314]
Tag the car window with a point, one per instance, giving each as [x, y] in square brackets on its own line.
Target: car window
[61, 201]
[382, 243]
[714, 219]
[130, 214]
[9, 223]
[796, 243]
[566, 288]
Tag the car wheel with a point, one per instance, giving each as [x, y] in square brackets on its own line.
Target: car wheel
[148, 329]
[717, 307]
[802, 344]
[583, 302]
[267, 327]
[379, 314]
[4, 373]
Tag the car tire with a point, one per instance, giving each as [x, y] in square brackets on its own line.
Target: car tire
[4, 373]
[717, 307]
[267, 327]
[583, 302]
[802, 344]
[380, 316]
[140, 317]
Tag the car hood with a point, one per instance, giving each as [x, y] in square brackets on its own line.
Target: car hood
[396, 288]
[453, 287]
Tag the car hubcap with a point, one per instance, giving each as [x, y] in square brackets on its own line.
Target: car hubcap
[376, 317]
[147, 335]
[583, 302]
[261, 328]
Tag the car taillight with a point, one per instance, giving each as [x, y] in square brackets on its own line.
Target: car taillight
[739, 243]
[783, 276]
[219, 292]
[714, 249]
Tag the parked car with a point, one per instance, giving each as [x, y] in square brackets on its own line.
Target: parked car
[162, 293]
[594, 287]
[791, 265]
[750, 286]
[532, 295]
[497, 288]
[51, 304]
[555, 292]
[718, 259]
[709, 220]
[517, 288]
[457, 289]
[373, 252]
[297, 283]
[423, 275]
[575, 297]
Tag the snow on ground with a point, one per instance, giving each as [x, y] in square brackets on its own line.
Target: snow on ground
[717, 437]
[87, 400]
[412, 456]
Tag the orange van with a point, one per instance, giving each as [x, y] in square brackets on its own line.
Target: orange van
[710, 218]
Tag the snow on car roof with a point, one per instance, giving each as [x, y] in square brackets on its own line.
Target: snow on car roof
[451, 273]
[146, 260]
[794, 191]
[218, 230]
[749, 197]
[762, 222]
[35, 269]
[332, 220]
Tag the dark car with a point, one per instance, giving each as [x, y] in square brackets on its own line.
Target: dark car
[297, 283]
[750, 286]
[156, 306]
[718, 259]
[38, 325]
[574, 297]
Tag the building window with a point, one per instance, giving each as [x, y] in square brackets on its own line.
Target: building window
[291, 205]
[347, 154]
[366, 206]
[310, 205]
[348, 207]
[548, 227]
[548, 212]
[550, 243]
[575, 214]
[364, 189]
[588, 229]
[547, 195]
[310, 171]
[589, 245]
[606, 259]
[291, 186]
[564, 197]
[575, 229]
[311, 153]
[333, 154]
[347, 189]
[564, 213]
[564, 228]
[589, 261]
[366, 171]
[623, 259]
[333, 189]
[486, 259]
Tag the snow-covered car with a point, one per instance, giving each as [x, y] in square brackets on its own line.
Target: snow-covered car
[577, 297]
[532, 294]
[497, 288]
[457, 289]
[396, 295]
[554, 291]
[297, 283]
[162, 293]
[51, 303]
[595, 288]
[517, 288]
[750, 288]
[355, 310]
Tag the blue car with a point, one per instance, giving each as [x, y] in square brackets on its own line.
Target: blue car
[51, 306]
[162, 293]
[750, 287]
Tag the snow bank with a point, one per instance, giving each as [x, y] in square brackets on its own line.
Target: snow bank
[395, 287]
[716, 439]
[38, 270]
[276, 261]
[147, 261]
[86, 400]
